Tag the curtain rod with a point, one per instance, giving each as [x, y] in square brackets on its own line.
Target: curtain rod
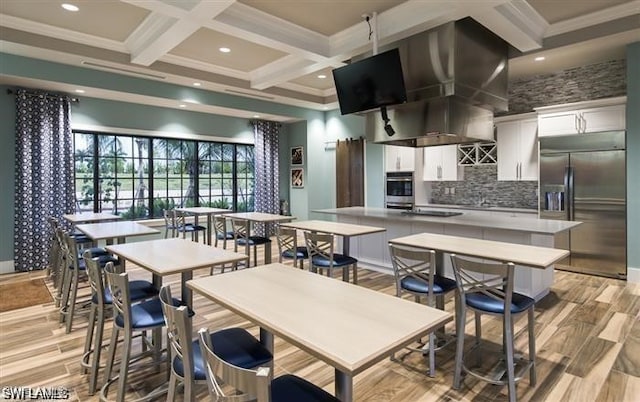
[13, 92]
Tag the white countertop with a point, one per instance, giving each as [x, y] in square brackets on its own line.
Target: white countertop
[473, 218]
[474, 208]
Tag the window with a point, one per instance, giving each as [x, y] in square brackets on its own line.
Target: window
[137, 177]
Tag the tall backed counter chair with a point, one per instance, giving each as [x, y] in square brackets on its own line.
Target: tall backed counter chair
[252, 384]
[234, 345]
[415, 273]
[242, 237]
[320, 248]
[487, 288]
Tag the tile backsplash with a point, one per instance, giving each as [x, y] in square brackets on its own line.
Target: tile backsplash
[481, 183]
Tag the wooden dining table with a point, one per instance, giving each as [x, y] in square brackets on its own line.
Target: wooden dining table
[344, 230]
[346, 326]
[119, 230]
[208, 212]
[164, 257]
[523, 255]
[90, 217]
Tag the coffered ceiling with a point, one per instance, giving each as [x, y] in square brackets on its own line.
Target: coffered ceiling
[279, 50]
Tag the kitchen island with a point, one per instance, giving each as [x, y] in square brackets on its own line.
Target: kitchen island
[372, 250]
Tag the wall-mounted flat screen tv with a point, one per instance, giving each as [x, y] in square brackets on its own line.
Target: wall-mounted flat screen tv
[370, 83]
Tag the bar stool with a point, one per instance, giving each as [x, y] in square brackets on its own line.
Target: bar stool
[242, 237]
[414, 272]
[487, 288]
[321, 256]
[101, 300]
[288, 246]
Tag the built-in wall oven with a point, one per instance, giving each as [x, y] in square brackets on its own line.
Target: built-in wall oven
[399, 192]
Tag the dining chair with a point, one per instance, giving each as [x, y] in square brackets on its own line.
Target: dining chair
[220, 231]
[252, 384]
[321, 256]
[243, 237]
[128, 319]
[101, 302]
[75, 268]
[288, 246]
[414, 271]
[487, 288]
[234, 345]
[178, 224]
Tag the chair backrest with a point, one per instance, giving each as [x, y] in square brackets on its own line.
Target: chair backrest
[96, 281]
[169, 223]
[119, 287]
[240, 228]
[70, 248]
[494, 280]
[230, 383]
[287, 241]
[319, 244]
[179, 334]
[220, 225]
[417, 263]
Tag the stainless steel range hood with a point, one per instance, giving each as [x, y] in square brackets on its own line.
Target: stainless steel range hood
[456, 77]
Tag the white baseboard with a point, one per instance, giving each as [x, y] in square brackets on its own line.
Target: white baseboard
[7, 267]
[633, 275]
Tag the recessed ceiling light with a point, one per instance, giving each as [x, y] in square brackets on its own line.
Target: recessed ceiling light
[196, 84]
[539, 58]
[256, 116]
[70, 7]
[183, 105]
[322, 76]
[224, 49]
[79, 91]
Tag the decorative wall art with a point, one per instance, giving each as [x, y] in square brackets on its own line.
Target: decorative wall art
[297, 177]
[297, 156]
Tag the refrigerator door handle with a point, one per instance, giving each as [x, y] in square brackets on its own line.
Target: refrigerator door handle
[570, 195]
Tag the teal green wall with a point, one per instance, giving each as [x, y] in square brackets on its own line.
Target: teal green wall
[633, 160]
[7, 151]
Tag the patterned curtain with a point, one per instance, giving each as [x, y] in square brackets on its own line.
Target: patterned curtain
[267, 197]
[44, 173]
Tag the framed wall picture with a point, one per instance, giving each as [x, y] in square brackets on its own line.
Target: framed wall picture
[297, 177]
[297, 156]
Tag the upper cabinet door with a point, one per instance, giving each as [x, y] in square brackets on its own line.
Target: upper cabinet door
[518, 150]
[399, 159]
[582, 120]
[441, 163]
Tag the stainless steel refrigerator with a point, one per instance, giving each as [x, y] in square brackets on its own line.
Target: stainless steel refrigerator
[582, 178]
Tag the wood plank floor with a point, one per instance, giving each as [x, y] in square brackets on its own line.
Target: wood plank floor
[587, 334]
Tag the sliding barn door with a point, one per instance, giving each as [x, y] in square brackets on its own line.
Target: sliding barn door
[350, 173]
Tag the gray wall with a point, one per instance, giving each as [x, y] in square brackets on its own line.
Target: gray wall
[7, 152]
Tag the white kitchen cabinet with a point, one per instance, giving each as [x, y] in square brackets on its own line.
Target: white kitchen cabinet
[571, 119]
[517, 149]
[441, 163]
[399, 159]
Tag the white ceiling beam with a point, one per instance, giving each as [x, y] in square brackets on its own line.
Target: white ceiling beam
[159, 33]
[287, 69]
[516, 22]
[600, 17]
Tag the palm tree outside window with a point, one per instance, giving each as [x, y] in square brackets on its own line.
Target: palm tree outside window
[137, 177]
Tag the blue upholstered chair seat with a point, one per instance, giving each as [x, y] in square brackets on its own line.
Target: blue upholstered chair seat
[148, 314]
[290, 388]
[254, 240]
[233, 345]
[138, 290]
[81, 238]
[301, 252]
[95, 252]
[190, 227]
[440, 284]
[339, 260]
[102, 260]
[480, 301]
[222, 236]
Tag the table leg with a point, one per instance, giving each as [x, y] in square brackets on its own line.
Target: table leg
[266, 339]
[345, 252]
[156, 334]
[187, 295]
[344, 386]
[195, 222]
[209, 219]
